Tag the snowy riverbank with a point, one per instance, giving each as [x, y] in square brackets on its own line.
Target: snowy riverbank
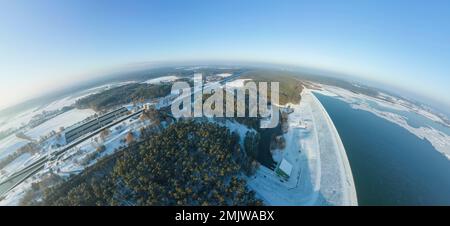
[414, 119]
[321, 174]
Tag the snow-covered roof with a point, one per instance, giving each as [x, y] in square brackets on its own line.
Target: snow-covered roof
[286, 167]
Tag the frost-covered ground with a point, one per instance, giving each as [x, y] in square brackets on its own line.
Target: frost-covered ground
[17, 163]
[10, 144]
[22, 118]
[65, 120]
[237, 83]
[415, 119]
[224, 75]
[15, 195]
[169, 78]
[58, 104]
[321, 174]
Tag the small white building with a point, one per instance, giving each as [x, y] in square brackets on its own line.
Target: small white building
[147, 106]
[284, 169]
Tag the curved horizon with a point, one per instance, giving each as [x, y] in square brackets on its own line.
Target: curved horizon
[149, 65]
[402, 44]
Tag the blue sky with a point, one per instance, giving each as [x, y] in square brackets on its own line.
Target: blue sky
[48, 43]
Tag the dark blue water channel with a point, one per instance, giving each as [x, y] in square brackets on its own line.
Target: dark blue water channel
[390, 165]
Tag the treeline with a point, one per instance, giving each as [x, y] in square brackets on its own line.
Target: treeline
[290, 85]
[189, 163]
[122, 95]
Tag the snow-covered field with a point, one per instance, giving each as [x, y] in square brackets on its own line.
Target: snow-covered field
[17, 163]
[321, 174]
[63, 120]
[22, 118]
[400, 113]
[191, 68]
[10, 144]
[237, 83]
[169, 78]
[224, 75]
[15, 195]
[56, 105]
[70, 100]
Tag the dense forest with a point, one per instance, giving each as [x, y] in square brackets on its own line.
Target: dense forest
[188, 163]
[123, 95]
[290, 87]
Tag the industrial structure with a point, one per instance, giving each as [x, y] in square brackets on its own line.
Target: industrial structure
[284, 169]
[77, 131]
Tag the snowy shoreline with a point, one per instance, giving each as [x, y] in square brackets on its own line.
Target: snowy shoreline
[321, 173]
[345, 170]
[397, 114]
